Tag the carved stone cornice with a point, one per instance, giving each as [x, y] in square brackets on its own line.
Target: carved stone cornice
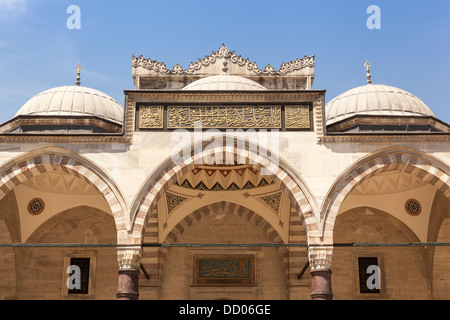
[115, 134]
[225, 53]
[296, 65]
[385, 138]
[153, 65]
[68, 138]
[279, 97]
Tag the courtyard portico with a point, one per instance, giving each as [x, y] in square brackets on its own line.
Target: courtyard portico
[225, 181]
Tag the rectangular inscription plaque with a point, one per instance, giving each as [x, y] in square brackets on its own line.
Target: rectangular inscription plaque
[224, 270]
[151, 117]
[244, 117]
[297, 117]
[224, 117]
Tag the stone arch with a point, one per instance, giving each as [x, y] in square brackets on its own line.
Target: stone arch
[410, 236]
[24, 167]
[41, 268]
[404, 267]
[256, 156]
[229, 208]
[415, 162]
[69, 214]
[205, 211]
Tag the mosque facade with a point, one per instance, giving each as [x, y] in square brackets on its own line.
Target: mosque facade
[225, 181]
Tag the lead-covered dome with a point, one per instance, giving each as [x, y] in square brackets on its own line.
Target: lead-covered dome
[73, 101]
[224, 82]
[375, 100]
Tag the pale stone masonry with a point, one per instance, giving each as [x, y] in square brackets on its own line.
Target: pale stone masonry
[274, 183]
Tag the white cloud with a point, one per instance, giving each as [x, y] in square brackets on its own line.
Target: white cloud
[10, 9]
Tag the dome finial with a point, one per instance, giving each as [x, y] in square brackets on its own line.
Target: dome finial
[78, 68]
[367, 65]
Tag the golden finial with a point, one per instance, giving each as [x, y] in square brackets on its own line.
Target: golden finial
[367, 65]
[78, 68]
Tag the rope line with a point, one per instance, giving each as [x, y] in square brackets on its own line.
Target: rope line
[231, 245]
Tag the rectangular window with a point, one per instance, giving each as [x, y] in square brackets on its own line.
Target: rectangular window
[78, 276]
[84, 265]
[369, 277]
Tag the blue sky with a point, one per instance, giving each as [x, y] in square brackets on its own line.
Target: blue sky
[38, 52]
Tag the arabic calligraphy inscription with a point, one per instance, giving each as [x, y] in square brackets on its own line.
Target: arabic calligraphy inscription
[230, 270]
[225, 117]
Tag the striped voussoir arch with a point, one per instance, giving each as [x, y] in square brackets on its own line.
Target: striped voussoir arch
[24, 168]
[294, 257]
[223, 207]
[167, 173]
[228, 208]
[414, 162]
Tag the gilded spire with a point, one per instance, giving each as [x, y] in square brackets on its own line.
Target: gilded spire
[78, 68]
[367, 65]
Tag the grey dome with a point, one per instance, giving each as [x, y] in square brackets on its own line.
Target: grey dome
[73, 101]
[375, 99]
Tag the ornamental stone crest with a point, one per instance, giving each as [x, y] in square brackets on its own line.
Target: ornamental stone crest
[237, 65]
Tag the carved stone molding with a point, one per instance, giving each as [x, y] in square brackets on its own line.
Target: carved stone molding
[385, 138]
[129, 257]
[223, 53]
[296, 65]
[153, 65]
[295, 97]
[320, 258]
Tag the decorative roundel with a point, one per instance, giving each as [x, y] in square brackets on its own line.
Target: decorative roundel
[36, 206]
[413, 207]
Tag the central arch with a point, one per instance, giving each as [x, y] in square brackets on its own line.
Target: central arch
[234, 148]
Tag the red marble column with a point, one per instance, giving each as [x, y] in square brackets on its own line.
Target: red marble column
[320, 262]
[129, 258]
[321, 285]
[128, 288]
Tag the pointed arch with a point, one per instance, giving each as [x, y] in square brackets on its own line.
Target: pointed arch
[408, 160]
[234, 148]
[24, 167]
[229, 208]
